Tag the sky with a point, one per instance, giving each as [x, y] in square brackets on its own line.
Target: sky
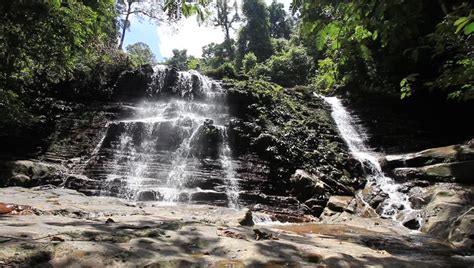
[186, 34]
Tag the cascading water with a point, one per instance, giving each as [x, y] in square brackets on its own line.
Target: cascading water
[396, 206]
[174, 149]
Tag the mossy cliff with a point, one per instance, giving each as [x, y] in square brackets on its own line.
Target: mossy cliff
[292, 130]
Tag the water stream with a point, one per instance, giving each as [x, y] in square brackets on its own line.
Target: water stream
[174, 149]
[396, 206]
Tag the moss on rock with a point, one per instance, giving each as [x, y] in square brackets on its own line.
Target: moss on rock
[291, 129]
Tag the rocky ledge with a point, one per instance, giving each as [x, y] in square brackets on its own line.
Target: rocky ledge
[439, 183]
[58, 227]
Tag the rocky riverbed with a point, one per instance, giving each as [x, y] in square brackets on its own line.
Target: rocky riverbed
[59, 227]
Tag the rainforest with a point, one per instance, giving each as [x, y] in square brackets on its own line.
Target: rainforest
[315, 133]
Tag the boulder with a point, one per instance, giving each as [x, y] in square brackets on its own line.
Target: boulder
[207, 140]
[461, 172]
[462, 232]
[417, 202]
[339, 203]
[306, 185]
[373, 196]
[27, 173]
[81, 183]
[315, 206]
[247, 220]
[147, 196]
[453, 153]
[449, 214]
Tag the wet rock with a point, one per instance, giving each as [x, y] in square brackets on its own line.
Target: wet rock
[452, 153]
[147, 196]
[207, 140]
[417, 202]
[412, 224]
[263, 142]
[79, 182]
[261, 235]
[462, 235]
[315, 206]
[373, 196]
[339, 203]
[208, 197]
[28, 173]
[306, 185]
[133, 85]
[460, 172]
[6, 208]
[449, 213]
[247, 220]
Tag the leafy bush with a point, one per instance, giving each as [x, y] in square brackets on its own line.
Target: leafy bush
[249, 62]
[289, 68]
[140, 54]
[226, 70]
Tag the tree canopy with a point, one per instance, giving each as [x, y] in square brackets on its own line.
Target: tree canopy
[415, 46]
[255, 34]
[140, 53]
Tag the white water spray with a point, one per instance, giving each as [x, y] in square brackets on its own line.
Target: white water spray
[152, 150]
[396, 206]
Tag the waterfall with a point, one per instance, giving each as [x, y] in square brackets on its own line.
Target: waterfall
[396, 206]
[172, 147]
[228, 165]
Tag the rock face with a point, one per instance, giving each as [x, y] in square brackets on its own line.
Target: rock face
[278, 150]
[439, 184]
[453, 163]
[27, 173]
[339, 203]
[449, 213]
[461, 172]
[133, 85]
[452, 153]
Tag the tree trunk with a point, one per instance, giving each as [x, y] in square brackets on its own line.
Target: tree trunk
[230, 51]
[124, 27]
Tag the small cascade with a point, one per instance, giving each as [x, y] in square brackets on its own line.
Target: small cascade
[232, 188]
[396, 206]
[178, 175]
[172, 148]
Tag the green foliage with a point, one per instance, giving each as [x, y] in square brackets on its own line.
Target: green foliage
[406, 86]
[466, 24]
[292, 66]
[214, 55]
[226, 15]
[140, 54]
[46, 45]
[226, 70]
[325, 78]
[280, 45]
[47, 40]
[380, 44]
[193, 63]
[249, 62]
[280, 22]
[13, 111]
[179, 60]
[255, 34]
[158, 11]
